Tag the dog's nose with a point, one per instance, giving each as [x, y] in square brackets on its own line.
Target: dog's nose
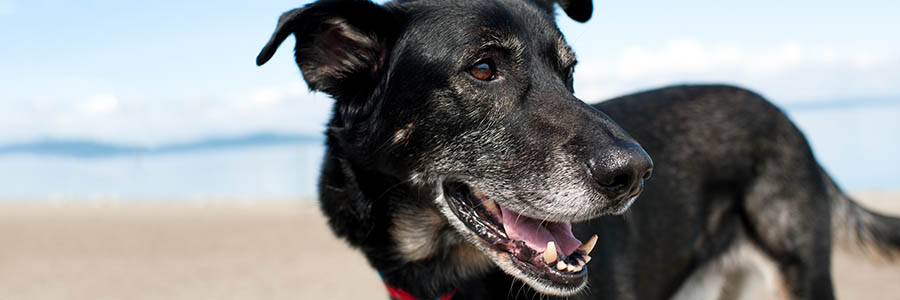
[621, 170]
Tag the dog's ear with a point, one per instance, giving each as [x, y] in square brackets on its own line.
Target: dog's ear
[340, 43]
[578, 10]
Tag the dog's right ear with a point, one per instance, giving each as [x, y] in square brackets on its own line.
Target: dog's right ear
[341, 44]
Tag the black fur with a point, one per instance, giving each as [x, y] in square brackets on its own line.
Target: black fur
[408, 118]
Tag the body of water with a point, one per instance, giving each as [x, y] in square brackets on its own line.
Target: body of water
[286, 170]
[859, 146]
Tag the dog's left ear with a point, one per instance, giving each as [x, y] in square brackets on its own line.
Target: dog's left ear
[578, 10]
[341, 44]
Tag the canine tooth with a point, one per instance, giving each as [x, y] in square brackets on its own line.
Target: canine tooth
[550, 253]
[561, 266]
[589, 245]
[491, 206]
[587, 258]
[478, 193]
[580, 261]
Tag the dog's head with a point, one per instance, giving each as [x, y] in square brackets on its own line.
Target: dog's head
[473, 102]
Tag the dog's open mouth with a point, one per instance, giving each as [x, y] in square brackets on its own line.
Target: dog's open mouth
[546, 251]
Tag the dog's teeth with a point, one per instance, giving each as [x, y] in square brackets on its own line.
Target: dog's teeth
[561, 266]
[550, 253]
[491, 206]
[587, 259]
[578, 268]
[589, 245]
[570, 268]
[478, 193]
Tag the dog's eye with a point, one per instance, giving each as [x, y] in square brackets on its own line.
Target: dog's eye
[483, 71]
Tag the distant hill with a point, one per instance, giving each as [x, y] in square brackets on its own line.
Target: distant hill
[71, 148]
[94, 149]
[841, 104]
[259, 139]
[84, 148]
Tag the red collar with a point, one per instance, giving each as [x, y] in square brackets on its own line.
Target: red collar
[399, 294]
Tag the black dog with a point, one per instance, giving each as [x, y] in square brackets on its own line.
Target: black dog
[456, 147]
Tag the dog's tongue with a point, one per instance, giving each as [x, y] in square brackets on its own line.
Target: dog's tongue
[536, 233]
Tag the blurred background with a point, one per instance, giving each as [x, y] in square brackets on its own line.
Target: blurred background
[142, 103]
[116, 99]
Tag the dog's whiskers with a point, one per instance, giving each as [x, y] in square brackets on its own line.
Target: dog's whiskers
[391, 188]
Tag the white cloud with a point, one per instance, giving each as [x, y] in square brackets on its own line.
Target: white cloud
[774, 61]
[676, 56]
[267, 97]
[151, 121]
[99, 105]
[788, 72]
[690, 56]
[791, 70]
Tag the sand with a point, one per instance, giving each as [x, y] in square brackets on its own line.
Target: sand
[235, 250]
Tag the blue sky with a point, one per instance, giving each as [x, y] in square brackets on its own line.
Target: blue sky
[165, 71]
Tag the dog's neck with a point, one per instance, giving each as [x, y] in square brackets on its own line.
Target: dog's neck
[359, 202]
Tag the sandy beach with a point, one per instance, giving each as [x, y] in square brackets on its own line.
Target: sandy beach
[280, 249]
